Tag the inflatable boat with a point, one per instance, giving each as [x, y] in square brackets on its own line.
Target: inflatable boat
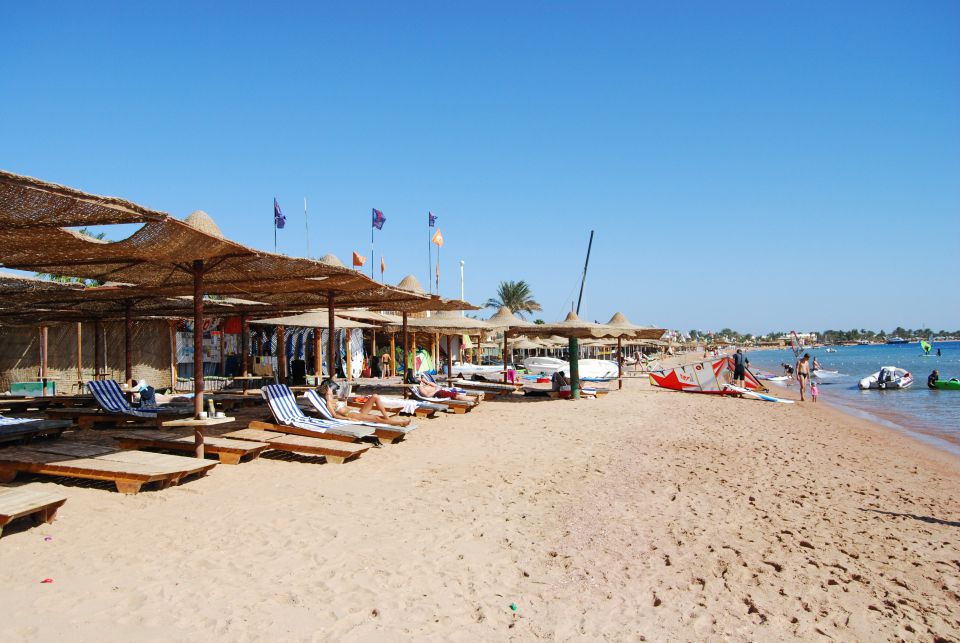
[888, 377]
[947, 385]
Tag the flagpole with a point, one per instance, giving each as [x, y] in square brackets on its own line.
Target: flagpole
[306, 225]
[438, 270]
[371, 250]
[429, 254]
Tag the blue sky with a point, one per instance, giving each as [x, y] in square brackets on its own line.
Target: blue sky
[757, 165]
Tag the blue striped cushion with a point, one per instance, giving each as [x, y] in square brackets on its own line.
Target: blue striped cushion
[110, 398]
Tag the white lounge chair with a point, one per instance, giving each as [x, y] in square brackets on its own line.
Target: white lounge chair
[383, 431]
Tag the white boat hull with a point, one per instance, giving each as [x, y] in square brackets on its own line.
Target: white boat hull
[594, 369]
[488, 372]
[894, 378]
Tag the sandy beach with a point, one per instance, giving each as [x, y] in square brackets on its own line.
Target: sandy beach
[644, 515]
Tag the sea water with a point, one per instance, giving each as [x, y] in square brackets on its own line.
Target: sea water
[931, 415]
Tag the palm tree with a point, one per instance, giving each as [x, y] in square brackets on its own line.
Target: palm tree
[515, 295]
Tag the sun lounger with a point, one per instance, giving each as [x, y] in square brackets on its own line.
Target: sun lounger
[457, 389]
[33, 500]
[402, 406]
[493, 388]
[335, 451]
[457, 406]
[387, 432]
[128, 470]
[227, 450]
[114, 409]
[26, 429]
[290, 419]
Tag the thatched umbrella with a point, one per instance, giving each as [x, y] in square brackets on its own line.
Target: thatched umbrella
[447, 323]
[574, 329]
[506, 320]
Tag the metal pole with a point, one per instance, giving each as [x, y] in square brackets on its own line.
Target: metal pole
[198, 353]
[584, 278]
[462, 312]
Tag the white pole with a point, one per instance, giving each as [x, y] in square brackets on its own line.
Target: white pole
[462, 312]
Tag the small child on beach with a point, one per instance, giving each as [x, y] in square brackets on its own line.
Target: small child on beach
[814, 391]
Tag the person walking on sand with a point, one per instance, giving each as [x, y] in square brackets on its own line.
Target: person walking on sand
[740, 364]
[803, 374]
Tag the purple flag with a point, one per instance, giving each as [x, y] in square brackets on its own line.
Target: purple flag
[378, 219]
[278, 219]
[432, 219]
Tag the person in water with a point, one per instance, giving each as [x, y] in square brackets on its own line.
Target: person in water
[938, 352]
[803, 375]
[740, 364]
[339, 409]
[932, 379]
[816, 364]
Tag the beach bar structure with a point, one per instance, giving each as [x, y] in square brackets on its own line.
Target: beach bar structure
[167, 257]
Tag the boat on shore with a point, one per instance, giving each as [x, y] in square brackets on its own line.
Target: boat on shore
[887, 378]
[590, 369]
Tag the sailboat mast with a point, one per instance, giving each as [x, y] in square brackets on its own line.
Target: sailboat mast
[583, 279]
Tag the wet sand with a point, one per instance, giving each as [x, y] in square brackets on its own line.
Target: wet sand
[644, 514]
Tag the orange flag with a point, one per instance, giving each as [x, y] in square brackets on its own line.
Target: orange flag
[383, 265]
[437, 238]
[358, 259]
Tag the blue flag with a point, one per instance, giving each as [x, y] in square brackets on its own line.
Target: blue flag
[278, 219]
[432, 220]
[378, 219]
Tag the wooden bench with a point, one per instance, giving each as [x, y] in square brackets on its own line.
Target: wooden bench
[128, 470]
[86, 418]
[29, 500]
[335, 451]
[227, 450]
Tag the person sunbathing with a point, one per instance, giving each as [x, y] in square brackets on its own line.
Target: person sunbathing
[426, 388]
[328, 389]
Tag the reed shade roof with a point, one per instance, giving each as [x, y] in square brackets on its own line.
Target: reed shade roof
[445, 322]
[526, 344]
[505, 319]
[369, 316]
[27, 203]
[311, 319]
[572, 326]
[619, 320]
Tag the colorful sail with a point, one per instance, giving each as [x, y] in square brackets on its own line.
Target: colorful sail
[711, 376]
[926, 346]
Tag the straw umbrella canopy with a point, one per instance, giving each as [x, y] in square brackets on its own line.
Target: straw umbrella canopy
[574, 328]
[310, 319]
[507, 321]
[445, 322]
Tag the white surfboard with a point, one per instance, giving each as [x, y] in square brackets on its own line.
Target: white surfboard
[757, 396]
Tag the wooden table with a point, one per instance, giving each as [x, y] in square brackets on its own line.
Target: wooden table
[198, 424]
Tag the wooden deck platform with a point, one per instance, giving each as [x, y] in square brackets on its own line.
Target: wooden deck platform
[28, 431]
[128, 470]
[335, 452]
[33, 500]
[87, 418]
[227, 450]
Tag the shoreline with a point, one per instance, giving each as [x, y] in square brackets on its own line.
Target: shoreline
[645, 513]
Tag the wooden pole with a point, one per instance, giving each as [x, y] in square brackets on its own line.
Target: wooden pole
[245, 343]
[128, 341]
[317, 357]
[97, 348]
[43, 359]
[172, 332]
[619, 363]
[282, 354]
[505, 356]
[198, 354]
[223, 348]
[79, 358]
[449, 358]
[393, 354]
[406, 349]
[331, 330]
[373, 348]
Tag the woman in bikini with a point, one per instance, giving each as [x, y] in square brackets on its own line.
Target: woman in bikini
[340, 410]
